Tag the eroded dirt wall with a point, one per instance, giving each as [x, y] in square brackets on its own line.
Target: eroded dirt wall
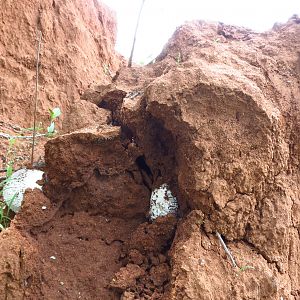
[231, 107]
[77, 50]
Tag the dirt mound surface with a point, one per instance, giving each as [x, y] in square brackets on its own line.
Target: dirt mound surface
[216, 118]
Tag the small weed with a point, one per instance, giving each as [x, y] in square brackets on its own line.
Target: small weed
[49, 132]
[54, 113]
[4, 213]
[30, 129]
[244, 268]
[4, 219]
[4, 208]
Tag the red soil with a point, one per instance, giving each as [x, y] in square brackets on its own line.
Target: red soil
[220, 126]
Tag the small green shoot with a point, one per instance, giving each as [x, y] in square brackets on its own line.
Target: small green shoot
[5, 209]
[244, 268]
[11, 202]
[12, 142]
[30, 129]
[9, 169]
[54, 113]
[51, 128]
[4, 219]
[4, 213]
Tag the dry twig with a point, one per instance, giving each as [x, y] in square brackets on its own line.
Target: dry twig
[39, 40]
[226, 250]
[134, 38]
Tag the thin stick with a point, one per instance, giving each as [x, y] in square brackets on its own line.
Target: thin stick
[39, 39]
[226, 250]
[134, 39]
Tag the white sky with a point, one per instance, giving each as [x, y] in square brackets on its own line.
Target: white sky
[161, 17]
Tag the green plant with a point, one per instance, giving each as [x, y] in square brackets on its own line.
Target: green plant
[49, 132]
[54, 113]
[4, 208]
[4, 213]
[4, 218]
[244, 268]
[30, 129]
[10, 160]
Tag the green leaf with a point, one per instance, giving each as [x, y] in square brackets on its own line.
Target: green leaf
[12, 141]
[51, 113]
[9, 170]
[54, 113]
[51, 128]
[1, 213]
[244, 268]
[10, 204]
[39, 128]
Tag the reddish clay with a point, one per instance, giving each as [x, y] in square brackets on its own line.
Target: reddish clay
[220, 126]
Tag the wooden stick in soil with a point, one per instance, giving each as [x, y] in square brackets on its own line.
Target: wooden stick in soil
[226, 250]
[134, 38]
[39, 39]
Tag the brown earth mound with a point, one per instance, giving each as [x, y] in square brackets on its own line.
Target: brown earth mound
[217, 119]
